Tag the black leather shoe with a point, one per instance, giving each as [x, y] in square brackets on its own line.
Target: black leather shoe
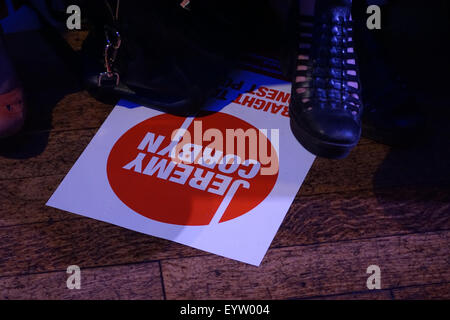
[326, 106]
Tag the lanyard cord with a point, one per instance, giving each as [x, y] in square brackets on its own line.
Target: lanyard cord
[115, 16]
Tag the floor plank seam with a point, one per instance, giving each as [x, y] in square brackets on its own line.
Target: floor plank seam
[82, 268]
[389, 290]
[363, 239]
[340, 294]
[50, 221]
[420, 285]
[417, 286]
[162, 280]
[161, 260]
[33, 177]
[391, 293]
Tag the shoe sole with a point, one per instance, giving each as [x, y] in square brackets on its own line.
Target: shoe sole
[318, 147]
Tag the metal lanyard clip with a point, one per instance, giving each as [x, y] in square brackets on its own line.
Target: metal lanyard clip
[113, 43]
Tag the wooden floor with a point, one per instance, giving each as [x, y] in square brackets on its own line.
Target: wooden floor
[379, 206]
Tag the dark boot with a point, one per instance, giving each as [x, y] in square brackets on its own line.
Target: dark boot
[326, 107]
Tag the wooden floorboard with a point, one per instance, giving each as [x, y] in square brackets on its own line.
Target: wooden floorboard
[434, 291]
[301, 272]
[139, 281]
[23, 201]
[364, 214]
[59, 154]
[366, 295]
[52, 246]
[381, 205]
[61, 238]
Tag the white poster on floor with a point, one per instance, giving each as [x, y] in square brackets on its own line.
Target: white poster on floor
[221, 182]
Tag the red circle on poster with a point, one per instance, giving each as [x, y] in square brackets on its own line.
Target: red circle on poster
[147, 180]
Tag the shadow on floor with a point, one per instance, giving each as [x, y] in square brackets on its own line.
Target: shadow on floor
[422, 175]
[46, 66]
